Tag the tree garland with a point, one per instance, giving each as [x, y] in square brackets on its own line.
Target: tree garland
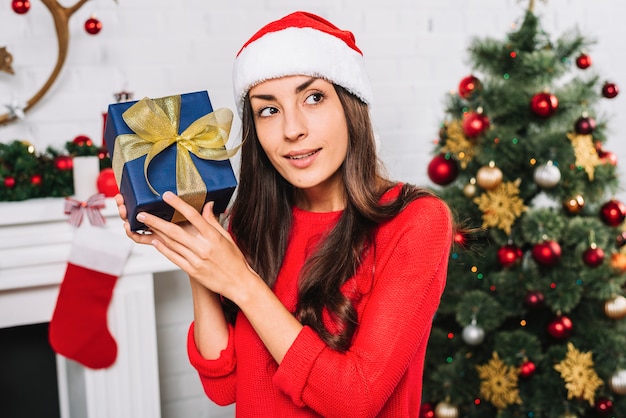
[26, 174]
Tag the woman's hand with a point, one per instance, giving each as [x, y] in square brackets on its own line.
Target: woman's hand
[201, 247]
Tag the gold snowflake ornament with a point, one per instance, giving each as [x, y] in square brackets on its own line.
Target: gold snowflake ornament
[501, 206]
[585, 152]
[581, 380]
[499, 383]
[457, 144]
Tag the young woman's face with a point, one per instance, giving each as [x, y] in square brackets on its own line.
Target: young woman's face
[302, 128]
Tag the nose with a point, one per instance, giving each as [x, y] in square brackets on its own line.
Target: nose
[295, 126]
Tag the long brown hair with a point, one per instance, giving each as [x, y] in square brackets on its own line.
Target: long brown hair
[261, 221]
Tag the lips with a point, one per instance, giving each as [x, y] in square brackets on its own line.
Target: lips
[302, 155]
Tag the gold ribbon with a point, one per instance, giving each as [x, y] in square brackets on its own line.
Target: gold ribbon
[155, 123]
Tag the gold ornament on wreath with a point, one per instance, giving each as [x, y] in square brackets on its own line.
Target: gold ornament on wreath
[489, 177]
[615, 307]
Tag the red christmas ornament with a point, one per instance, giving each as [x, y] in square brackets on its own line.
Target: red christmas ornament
[20, 6]
[606, 157]
[544, 104]
[583, 61]
[547, 253]
[106, 183]
[93, 26]
[527, 369]
[82, 140]
[9, 182]
[584, 125]
[609, 90]
[613, 212]
[534, 299]
[427, 410]
[593, 256]
[442, 170]
[469, 86]
[63, 163]
[561, 327]
[102, 153]
[509, 254]
[35, 179]
[604, 407]
[620, 241]
[475, 124]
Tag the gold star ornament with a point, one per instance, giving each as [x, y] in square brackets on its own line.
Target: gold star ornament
[457, 144]
[501, 206]
[498, 383]
[581, 380]
[585, 153]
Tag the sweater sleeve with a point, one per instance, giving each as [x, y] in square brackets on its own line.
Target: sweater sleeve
[218, 377]
[395, 323]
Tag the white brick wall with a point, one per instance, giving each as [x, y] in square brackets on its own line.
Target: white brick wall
[416, 53]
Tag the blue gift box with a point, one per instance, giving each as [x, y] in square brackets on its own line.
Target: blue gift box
[217, 175]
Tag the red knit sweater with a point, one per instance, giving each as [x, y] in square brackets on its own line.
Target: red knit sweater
[400, 285]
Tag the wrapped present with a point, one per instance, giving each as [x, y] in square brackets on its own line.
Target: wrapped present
[174, 143]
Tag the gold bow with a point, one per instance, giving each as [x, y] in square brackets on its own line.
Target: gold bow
[155, 123]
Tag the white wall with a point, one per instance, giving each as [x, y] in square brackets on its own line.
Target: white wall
[415, 50]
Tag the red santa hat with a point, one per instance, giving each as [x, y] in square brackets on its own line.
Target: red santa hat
[301, 43]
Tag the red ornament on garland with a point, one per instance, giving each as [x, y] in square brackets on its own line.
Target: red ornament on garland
[475, 124]
[583, 61]
[9, 182]
[561, 327]
[584, 125]
[93, 26]
[35, 179]
[443, 170]
[527, 369]
[534, 299]
[544, 104]
[609, 90]
[469, 86]
[82, 140]
[593, 256]
[509, 254]
[106, 183]
[547, 253]
[20, 6]
[63, 163]
[613, 213]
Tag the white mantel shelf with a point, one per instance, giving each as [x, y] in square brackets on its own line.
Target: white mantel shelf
[35, 242]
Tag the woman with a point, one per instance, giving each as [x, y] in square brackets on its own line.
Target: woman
[318, 301]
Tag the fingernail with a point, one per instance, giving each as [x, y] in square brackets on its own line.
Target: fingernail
[167, 194]
[141, 217]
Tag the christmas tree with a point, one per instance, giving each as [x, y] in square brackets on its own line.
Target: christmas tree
[532, 322]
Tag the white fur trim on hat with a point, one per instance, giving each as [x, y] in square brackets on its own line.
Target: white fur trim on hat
[300, 51]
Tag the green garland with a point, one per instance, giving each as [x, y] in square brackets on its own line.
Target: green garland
[26, 174]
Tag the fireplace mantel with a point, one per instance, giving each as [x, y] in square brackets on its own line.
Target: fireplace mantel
[35, 241]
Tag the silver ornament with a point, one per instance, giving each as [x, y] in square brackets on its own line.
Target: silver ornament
[547, 175]
[446, 410]
[617, 382]
[473, 334]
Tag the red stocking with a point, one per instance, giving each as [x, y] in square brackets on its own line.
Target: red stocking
[78, 329]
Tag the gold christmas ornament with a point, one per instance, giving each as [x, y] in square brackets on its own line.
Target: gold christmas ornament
[581, 380]
[618, 262]
[470, 188]
[498, 383]
[489, 177]
[458, 144]
[446, 410]
[585, 152]
[615, 307]
[574, 204]
[501, 206]
[617, 382]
